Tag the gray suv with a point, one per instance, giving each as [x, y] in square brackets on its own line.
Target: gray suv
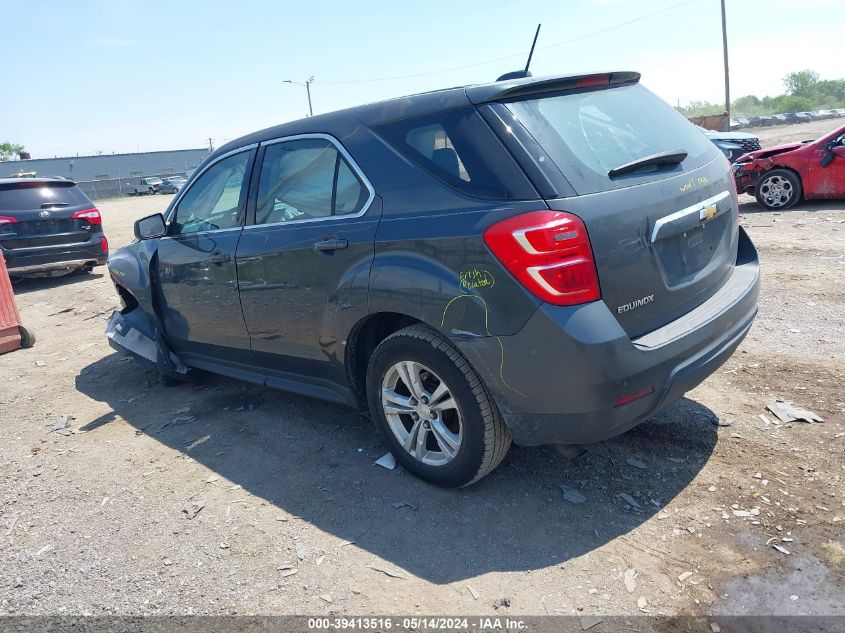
[537, 260]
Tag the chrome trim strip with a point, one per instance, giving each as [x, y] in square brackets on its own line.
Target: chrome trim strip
[352, 164]
[195, 176]
[695, 209]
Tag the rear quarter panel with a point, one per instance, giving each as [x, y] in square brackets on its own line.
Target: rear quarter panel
[430, 260]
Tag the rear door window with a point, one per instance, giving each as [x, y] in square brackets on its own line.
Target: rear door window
[589, 133]
[25, 196]
[458, 148]
[307, 179]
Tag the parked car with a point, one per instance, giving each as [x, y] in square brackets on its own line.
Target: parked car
[732, 144]
[761, 121]
[48, 227]
[822, 115]
[147, 186]
[802, 117]
[781, 176]
[172, 185]
[543, 260]
[839, 112]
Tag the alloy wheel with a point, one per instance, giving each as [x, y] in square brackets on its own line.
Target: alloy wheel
[777, 191]
[422, 413]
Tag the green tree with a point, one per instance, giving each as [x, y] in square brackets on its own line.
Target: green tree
[800, 82]
[10, 151]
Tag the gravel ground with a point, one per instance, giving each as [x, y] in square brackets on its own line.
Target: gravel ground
[221, 497]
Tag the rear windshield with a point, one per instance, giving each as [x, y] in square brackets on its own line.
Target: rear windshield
[587, 134]
[24, 196]
[458, 148]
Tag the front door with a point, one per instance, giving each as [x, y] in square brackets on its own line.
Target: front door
[197, 276]
[304, 262]
[828, 182]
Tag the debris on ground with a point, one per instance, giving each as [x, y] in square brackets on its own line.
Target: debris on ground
[62, 423]
[502, 602]
[571, 495]
[589, 621]
[630, 580]
[301, 551]
[474, 593]
[629, 500]
[788, 412]
[782, 550]
[642, 603]
[193, 509]
[386, 572]
[684, 576]
[636, 463]
[386, 461]
[287, 570]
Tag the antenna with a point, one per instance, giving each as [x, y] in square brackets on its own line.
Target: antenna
[533, 44]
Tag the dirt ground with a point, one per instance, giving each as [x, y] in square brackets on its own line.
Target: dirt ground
[222, 497]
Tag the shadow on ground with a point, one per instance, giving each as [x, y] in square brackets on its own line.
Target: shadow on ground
[315, 460]
[810, 206]
[33, 284]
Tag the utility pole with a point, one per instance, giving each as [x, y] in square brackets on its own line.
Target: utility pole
[727, 73]
[210, 144]
[307, 85]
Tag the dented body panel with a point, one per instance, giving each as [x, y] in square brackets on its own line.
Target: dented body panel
[818, 181]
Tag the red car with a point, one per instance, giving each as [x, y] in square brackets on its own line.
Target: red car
[781, 176]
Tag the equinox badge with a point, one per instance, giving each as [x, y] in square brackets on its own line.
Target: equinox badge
[635, 304]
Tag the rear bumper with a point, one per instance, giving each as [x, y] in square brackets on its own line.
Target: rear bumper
[57, 258]
[558, 380]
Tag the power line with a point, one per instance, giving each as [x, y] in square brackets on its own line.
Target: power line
[515, 55]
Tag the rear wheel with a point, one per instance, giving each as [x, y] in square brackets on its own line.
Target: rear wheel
[778, 189]
[433, 409]
[27, 337]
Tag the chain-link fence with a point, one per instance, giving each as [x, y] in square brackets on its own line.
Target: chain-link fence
[117, 187]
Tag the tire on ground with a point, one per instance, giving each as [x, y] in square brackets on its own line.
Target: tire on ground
[794, 182]
[486, 439]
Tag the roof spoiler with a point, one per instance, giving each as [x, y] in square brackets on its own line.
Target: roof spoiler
[522, 87]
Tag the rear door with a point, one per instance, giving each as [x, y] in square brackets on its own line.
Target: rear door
[42, 213]
[664, 236]
[196, 272]
[304, 263]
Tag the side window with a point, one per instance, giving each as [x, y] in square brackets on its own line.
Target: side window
[215, 199]
[458, 148]
[305, 179]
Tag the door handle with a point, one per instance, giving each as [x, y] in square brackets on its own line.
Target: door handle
[218, 257]
[331, 245]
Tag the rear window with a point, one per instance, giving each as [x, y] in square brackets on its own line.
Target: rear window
[587, 134]
[23, 196]
[458, 148]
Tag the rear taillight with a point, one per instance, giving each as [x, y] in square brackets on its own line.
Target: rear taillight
[5, 219]
[549, 252]
[92, 215]
[104, 243]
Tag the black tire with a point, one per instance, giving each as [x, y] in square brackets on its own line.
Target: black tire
[778, 189]
[27, 337]
[485, 438]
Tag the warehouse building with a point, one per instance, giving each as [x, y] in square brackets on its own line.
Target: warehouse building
[109, 175]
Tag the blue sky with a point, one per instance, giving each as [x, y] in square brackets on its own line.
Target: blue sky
[123, 75]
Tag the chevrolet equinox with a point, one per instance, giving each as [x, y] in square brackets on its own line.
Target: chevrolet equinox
[536, 260]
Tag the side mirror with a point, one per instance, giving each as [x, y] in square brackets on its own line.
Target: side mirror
[150, 227]
[827, 158]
